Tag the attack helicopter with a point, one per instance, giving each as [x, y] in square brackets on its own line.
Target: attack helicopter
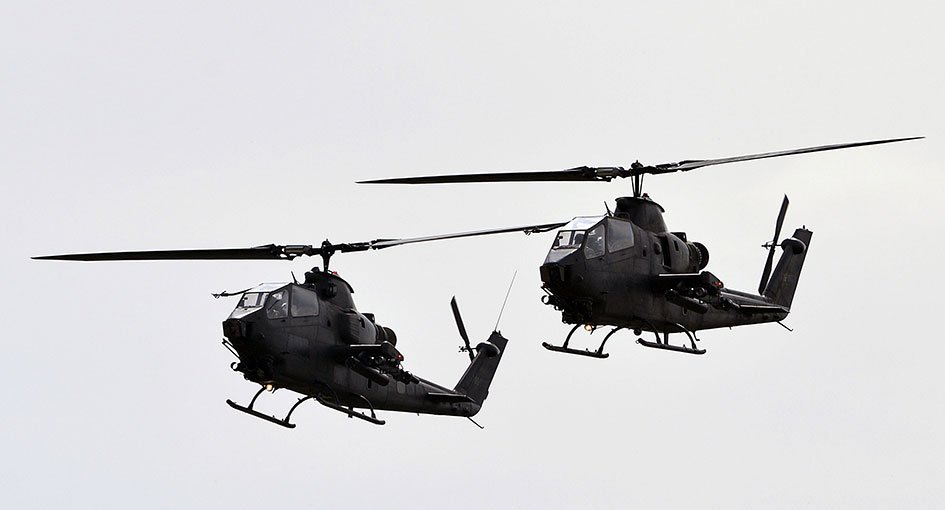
[309, 338]
[627, 270]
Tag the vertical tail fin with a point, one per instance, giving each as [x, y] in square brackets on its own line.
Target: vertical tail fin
[783, 282]
[475, 382]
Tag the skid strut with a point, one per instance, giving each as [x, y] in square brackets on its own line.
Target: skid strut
[350, 410]
[271, 419]
[665, 345]
[599, 353]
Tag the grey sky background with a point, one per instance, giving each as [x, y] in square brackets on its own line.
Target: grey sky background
[224, 124]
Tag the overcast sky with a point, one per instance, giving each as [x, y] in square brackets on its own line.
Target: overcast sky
[170, 124]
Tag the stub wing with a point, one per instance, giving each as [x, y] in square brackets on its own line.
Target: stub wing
[385, 349]
[703, 279]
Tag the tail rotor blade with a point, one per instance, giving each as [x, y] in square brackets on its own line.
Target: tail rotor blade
[781, 215]
[766, 272]
[461, 327]
[772, 245]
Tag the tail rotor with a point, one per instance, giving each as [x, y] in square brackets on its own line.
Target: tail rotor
[772, 245]
[462, 330]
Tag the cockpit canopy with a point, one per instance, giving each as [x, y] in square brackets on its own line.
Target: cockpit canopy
[280, 300]
[596, 234]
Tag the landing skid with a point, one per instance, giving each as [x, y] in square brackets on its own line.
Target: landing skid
[271, 419]
[599, 353]
[660, 343]
[284, 422]
[579, 352]
[665, 345]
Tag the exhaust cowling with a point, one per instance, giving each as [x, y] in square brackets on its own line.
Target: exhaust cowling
[698, 256]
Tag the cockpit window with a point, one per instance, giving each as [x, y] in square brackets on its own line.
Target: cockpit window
[619, 235]
[568, 240]
[304, 302]
[278, 305]
[594, 242]
[252, 300]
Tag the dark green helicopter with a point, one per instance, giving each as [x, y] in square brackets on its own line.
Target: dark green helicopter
[309, 338]
[627, 270]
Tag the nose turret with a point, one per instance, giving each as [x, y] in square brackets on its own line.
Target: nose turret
[557, 269]
[256, 360]
[561, 277]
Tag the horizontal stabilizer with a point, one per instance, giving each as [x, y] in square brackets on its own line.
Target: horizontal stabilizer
[760, 308]
[449, 397]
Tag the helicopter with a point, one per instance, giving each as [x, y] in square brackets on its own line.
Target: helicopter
[309, 338]
[627, 270]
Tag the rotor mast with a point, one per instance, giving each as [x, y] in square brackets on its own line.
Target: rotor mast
[637, 179]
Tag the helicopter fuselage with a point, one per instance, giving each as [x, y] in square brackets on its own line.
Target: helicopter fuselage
[310, 339]
[626, 270]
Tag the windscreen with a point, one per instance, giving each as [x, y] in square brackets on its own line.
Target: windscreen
[249, 303]
[252, 300]
[568, 239]
[571, 237]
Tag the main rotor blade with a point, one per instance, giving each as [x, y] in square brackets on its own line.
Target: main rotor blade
[685, 166]
[774, 243]
[608, 173]
[528, 229]
[270, 251]
[581, 173]
[282, 252]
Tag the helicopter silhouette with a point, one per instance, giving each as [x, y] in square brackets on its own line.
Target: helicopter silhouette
[626, 269]
[310, 338]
